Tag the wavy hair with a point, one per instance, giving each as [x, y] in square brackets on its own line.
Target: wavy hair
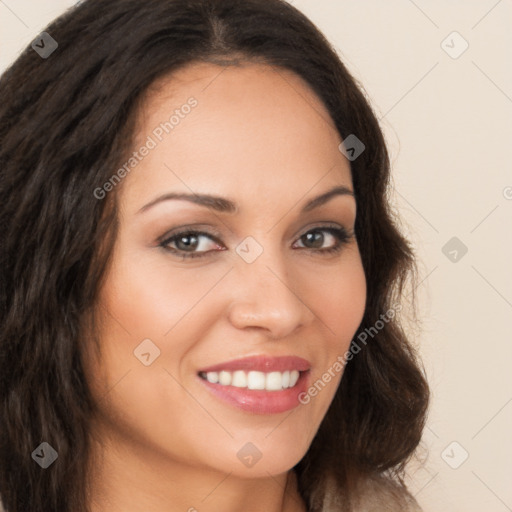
[65, 122]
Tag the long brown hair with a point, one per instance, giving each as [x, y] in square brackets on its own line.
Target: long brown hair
[66, 121]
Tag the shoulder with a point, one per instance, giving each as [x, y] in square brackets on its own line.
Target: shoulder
[374, 494]
[383, 495]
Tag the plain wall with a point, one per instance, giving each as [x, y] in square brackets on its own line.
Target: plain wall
[448, 121]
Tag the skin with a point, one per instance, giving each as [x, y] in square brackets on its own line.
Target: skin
[260, 137]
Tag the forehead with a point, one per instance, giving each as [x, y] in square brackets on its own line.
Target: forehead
[252, 129]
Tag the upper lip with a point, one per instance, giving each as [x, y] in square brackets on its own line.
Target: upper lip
[262, 364]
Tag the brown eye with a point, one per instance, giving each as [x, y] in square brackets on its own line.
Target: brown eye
[315, 239]
[190, 244]
[194, 244]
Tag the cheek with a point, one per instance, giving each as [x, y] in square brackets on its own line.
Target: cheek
[339, 298]
[148, 296]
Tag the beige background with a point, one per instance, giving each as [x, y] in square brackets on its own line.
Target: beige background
[448, 122]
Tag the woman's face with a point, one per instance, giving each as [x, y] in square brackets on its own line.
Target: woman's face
[258, 281]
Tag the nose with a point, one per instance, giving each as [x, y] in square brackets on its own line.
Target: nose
[264, 296]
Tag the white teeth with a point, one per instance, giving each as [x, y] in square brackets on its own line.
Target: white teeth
[239, 379]
[256, 380]
[294, 377]
[285, 379]
[272, 381]
[224, 378]
[212, 377]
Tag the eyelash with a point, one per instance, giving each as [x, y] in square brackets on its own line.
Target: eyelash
[341, 235]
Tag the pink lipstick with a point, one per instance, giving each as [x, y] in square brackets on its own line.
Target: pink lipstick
[258, 384]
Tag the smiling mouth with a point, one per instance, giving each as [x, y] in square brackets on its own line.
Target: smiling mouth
[254, 380]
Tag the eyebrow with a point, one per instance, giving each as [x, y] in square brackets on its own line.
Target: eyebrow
[224, 205]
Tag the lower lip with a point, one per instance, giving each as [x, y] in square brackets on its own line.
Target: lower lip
[260, 401]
